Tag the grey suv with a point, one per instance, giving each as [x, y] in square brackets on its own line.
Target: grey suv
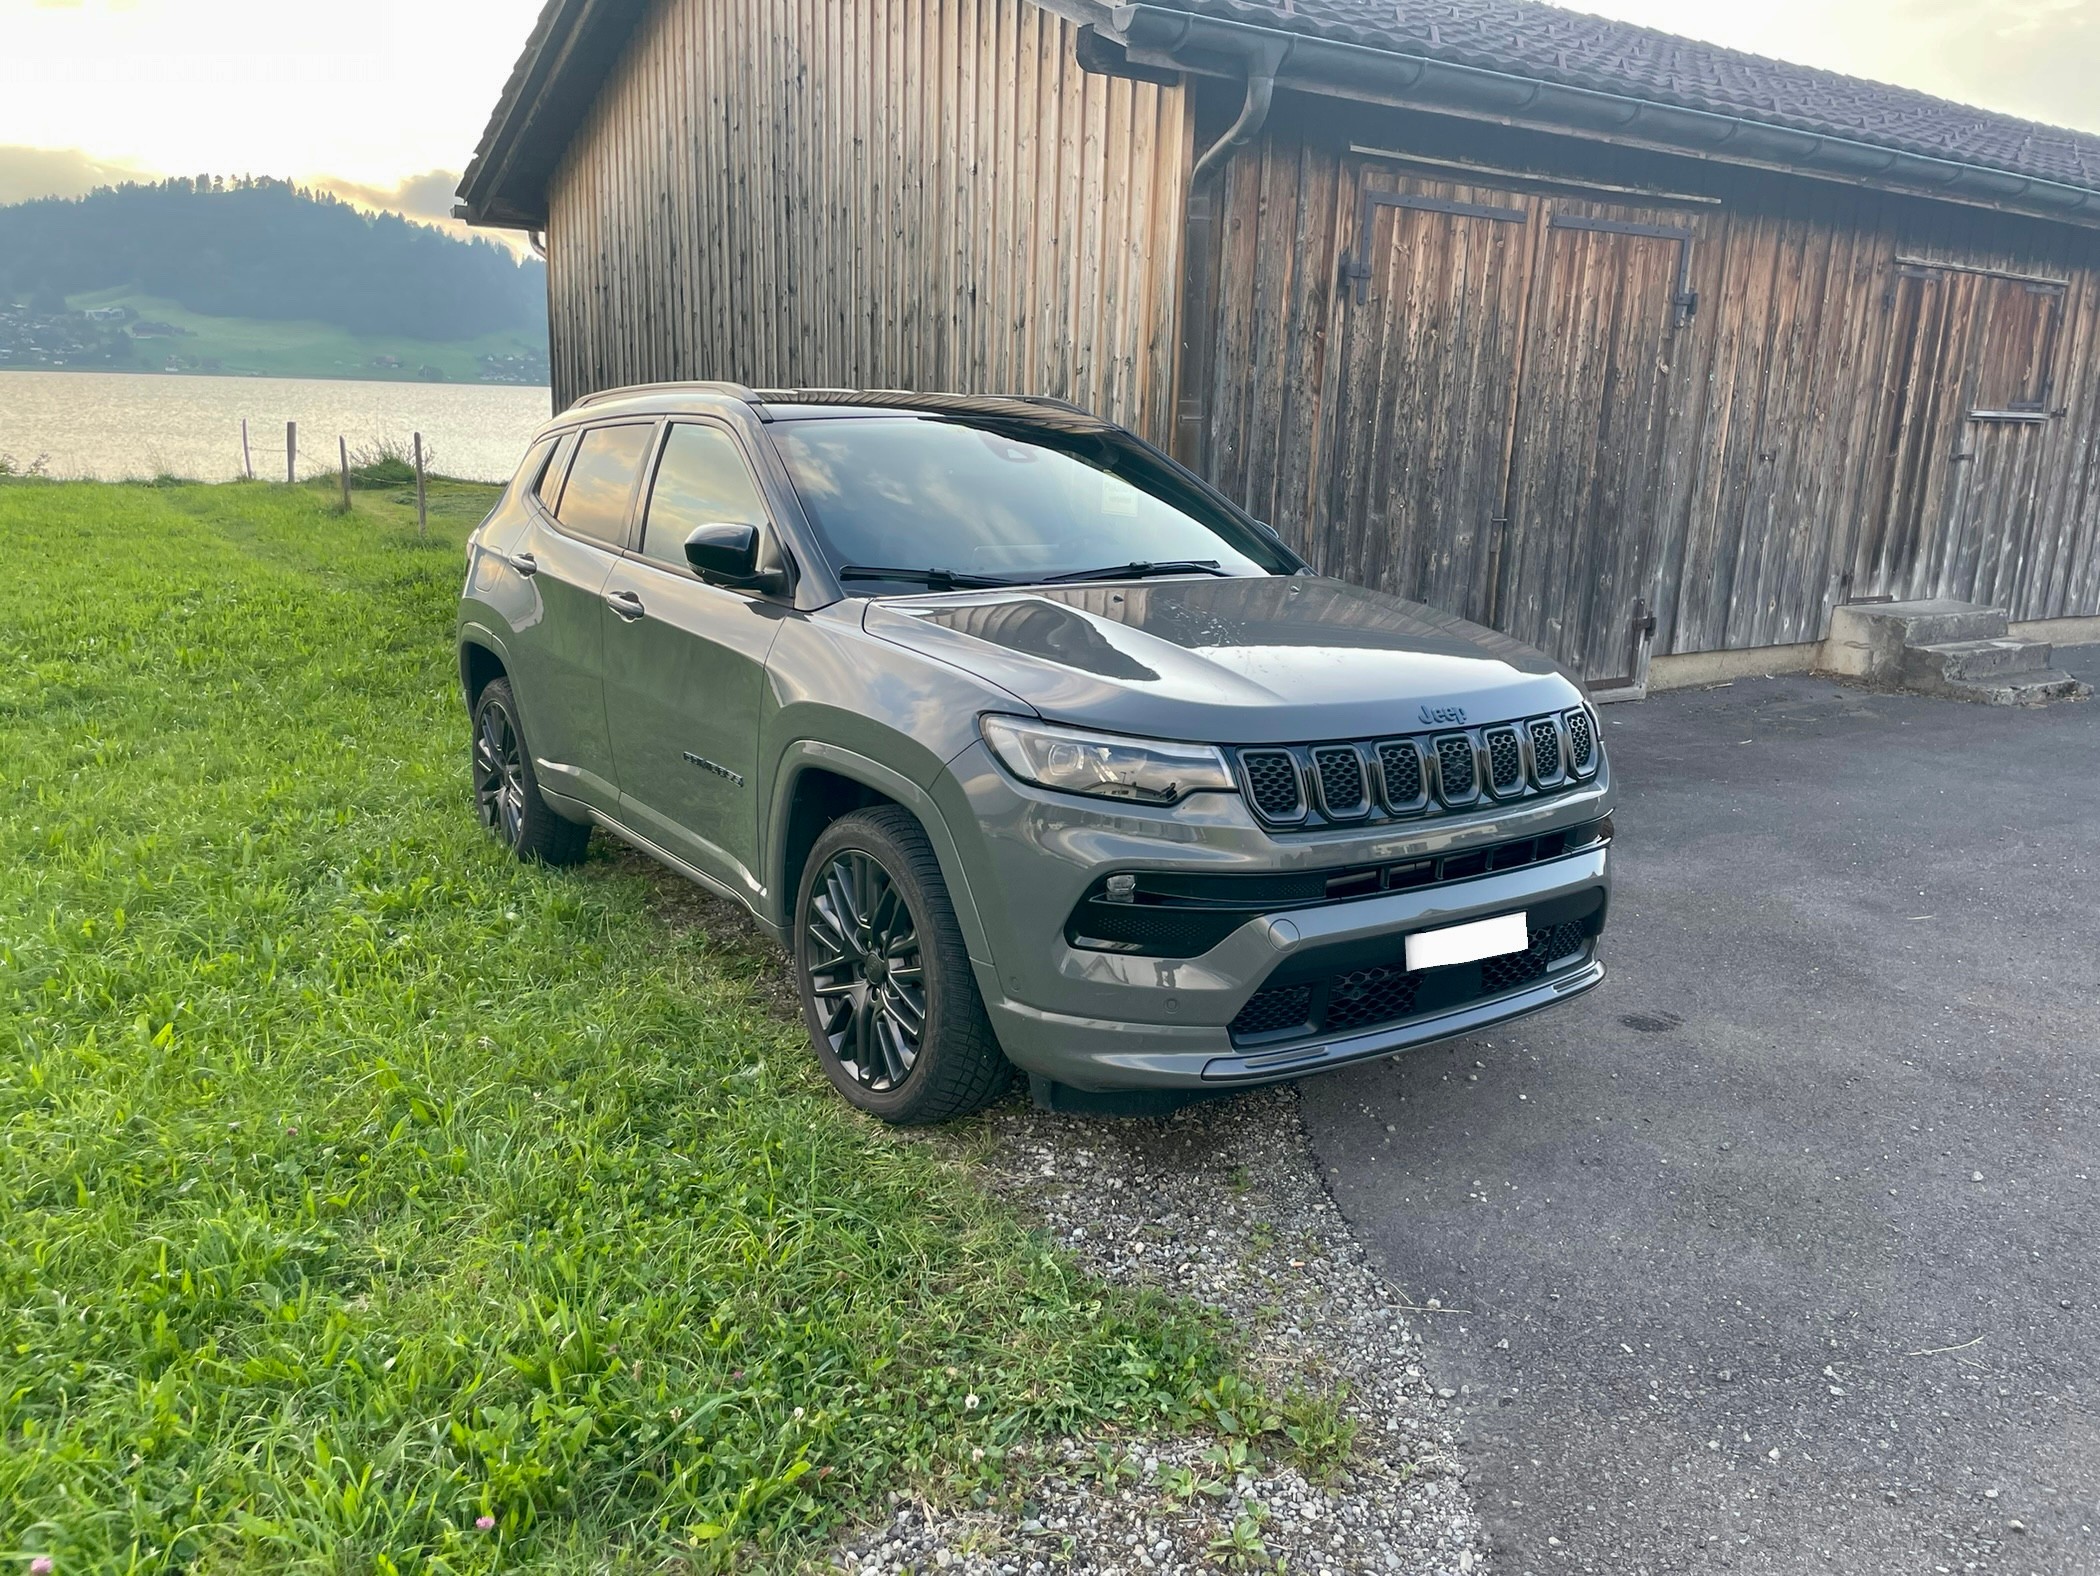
[1032, 748]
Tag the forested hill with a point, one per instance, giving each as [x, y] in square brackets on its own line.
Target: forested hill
[267, 249]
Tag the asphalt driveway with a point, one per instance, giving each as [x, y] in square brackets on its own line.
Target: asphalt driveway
[1781, 1251]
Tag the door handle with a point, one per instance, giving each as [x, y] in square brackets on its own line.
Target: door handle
[626, 604]
[524, 563]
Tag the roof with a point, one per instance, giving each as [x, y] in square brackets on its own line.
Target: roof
[1551, 44]
[1519, 61]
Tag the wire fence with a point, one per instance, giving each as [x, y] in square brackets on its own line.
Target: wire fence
[379, 455]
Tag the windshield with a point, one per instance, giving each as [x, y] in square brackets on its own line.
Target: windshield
[991, 500]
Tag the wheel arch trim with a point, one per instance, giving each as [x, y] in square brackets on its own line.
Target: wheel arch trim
[892, 784]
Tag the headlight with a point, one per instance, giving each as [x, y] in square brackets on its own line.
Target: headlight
[1105, 765]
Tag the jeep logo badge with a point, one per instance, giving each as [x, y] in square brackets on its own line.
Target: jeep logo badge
[1443, 716]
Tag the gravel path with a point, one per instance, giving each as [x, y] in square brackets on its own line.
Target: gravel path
[1218, 1203]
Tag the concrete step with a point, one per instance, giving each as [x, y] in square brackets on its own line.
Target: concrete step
[1867, 638]
[1976, 659]
[2028, 687]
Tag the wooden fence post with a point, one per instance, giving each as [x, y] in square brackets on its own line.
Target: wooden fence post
[291, 451]
[247, 457]
[422, 512]
[342, 450]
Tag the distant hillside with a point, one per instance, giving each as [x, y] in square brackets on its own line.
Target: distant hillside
[260, 276]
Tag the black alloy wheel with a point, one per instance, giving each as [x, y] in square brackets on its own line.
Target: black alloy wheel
[865, 970]
[499, 769]
[507, 790]
[888, 990]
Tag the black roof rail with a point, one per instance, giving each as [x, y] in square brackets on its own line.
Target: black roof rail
[698, 386]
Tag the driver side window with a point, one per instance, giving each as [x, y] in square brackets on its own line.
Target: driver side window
[701, 480]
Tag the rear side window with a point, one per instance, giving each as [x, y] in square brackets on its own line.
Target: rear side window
[548, 487]
[594, 503]
[533, 467]
[701, 480]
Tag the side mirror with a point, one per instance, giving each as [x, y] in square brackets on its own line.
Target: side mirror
[727, 555]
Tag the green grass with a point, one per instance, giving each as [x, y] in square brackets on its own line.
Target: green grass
[360, 1183]
[301, 349]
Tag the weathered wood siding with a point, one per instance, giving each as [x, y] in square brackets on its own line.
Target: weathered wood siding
[1484, 393]
[923, 194]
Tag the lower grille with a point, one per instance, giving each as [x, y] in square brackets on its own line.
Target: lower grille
[1284, 1007]
[1367, 998]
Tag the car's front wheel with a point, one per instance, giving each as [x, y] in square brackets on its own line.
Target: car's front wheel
[507, 790]
[887, 992]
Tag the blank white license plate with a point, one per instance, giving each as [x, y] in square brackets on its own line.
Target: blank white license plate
[1484, 938]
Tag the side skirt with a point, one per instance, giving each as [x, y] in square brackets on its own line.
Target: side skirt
[698, 877]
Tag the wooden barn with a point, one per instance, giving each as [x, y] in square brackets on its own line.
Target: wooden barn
[1633, 347]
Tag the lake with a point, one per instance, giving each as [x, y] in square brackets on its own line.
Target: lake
[110, 426]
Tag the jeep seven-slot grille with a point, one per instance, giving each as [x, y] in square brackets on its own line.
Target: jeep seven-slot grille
[1401, 764]
[1341, 780]
[1272, 783]
[1505, 760]
[1315, 785]
[1458, 766]
[1367, 998]
[1545, 748]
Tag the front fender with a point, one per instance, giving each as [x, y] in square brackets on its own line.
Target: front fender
[804, 754]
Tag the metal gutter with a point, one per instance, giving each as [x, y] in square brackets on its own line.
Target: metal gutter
[1164, 36]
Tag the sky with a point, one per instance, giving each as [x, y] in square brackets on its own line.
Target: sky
[383, 100]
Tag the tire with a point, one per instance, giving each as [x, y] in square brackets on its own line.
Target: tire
[861, 1027]
[507, 790]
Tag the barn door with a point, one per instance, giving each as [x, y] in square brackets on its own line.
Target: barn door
[1609, 293]
[1431, 331]
[1968, 404]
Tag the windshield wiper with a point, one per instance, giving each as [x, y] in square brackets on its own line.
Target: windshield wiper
[1139, 571]
[933, 579]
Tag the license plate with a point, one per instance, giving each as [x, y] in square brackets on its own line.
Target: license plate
[1483, 938]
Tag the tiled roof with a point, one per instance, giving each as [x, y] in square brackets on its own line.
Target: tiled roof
[1550, 44]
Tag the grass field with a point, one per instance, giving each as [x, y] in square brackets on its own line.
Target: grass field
[304, 350]
[362, 1185]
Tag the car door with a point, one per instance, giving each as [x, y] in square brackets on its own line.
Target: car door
[685, 664]
[566, 555]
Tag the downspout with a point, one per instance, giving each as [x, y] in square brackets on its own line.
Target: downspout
[1254, 114]
[1263, 57]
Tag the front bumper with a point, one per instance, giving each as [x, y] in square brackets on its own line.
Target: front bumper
[1105, 1020]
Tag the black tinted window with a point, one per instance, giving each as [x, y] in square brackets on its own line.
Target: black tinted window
[984, 496]
[594, 503]
[701, 480]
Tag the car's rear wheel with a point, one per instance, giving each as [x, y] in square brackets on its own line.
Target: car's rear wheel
[887, 992]
[506, 789]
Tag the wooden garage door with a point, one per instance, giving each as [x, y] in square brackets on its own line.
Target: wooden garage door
[1586, 479]
[1431, 335]
[1506, 371]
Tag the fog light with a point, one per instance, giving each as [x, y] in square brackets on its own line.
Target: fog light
[1121, 889]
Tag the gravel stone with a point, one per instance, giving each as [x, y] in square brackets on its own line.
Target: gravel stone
[1223, 1204]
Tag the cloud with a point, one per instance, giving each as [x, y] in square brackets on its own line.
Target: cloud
[27, 173]
[426, 198]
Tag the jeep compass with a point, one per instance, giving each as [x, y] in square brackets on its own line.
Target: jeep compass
[1032, 748]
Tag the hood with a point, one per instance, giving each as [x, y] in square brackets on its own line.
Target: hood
[1261, 660]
